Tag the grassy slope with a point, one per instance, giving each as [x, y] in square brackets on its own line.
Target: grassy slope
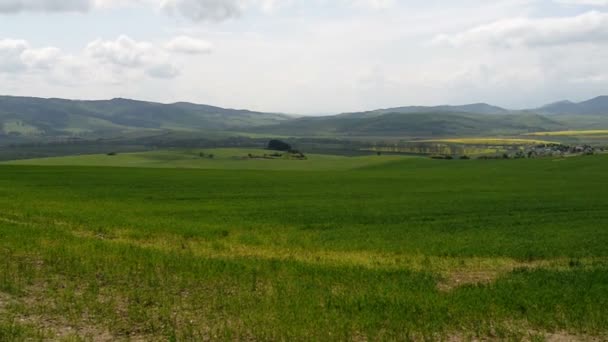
[227, 158]
[58, 117]
[402, 250]
[438, 124]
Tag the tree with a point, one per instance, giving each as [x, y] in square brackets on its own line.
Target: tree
[278, 145]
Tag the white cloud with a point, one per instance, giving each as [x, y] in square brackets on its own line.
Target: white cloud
[44, 58]
[590, 27]
[218, 10]
[108, 61]
[127, 54]
[104, 4]
[204, 10]
[123, 51]
[188, 45]
[195, 10]
[375, 4]
[10, 55]
[584, 2]
[17, 56]
[23, 62]
[15, 6]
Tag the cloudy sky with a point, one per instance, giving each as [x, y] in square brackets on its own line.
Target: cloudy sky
[306, 56]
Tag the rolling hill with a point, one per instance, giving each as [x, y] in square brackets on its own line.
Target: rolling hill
[36, 118]
[479, 119]
[27, 116]
[595, 106]
[475, 108]
[431, 124]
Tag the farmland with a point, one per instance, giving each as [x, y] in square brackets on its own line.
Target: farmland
[490, 141]
[219, 158]
[387, 248]
[571, 133]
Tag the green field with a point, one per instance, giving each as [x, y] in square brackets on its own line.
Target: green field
[223, 159]
[330, 248]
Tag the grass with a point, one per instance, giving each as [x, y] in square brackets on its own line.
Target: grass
[571, 133]
[227, 158]
[433, 149]
[405, 249]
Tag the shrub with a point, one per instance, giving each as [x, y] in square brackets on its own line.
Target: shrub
[278, 145]
[445, 157]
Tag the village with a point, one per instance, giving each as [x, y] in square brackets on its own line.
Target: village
[558, 150]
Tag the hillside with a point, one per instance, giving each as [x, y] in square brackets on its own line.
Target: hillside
[475, 108]
[33, 119]
[430, 124]
[595, 106]
[27, 116]
[478, 119]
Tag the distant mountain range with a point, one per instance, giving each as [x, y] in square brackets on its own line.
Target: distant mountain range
[476, 108]
[595, 106]
[35, 118]
[440, 121]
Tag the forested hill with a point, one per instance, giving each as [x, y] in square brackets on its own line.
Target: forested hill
[30, 116]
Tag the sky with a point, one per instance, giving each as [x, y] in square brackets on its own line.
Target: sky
[307, 56]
